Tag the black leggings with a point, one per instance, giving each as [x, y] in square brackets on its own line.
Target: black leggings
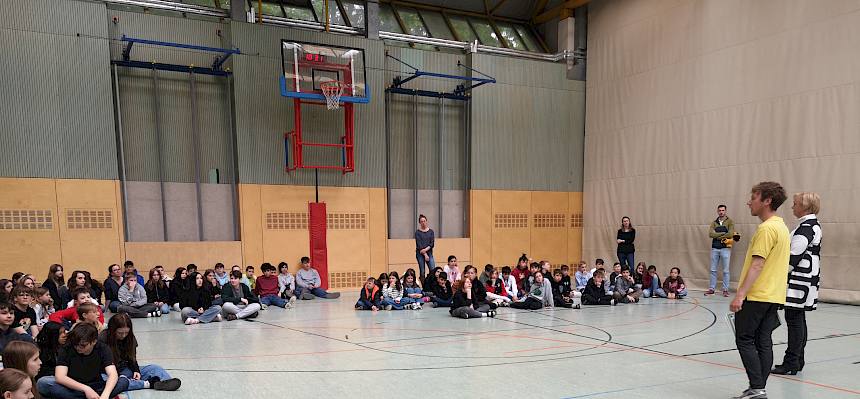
[530, 303]
[590, 300]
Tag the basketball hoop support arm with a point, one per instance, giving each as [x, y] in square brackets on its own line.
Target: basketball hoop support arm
[459, 92]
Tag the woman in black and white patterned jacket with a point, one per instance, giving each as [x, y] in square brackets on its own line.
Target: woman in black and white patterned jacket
[803, 279]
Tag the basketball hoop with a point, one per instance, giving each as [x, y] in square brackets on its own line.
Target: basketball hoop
[332, 91]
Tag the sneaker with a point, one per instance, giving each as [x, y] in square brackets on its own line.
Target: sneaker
[491, 313]
[218, 317]
[779, 369]
[417, 306]
[171, 384]
[292, 301]
[388, 307]
[726, 293]
[157, 313]
[231, 317]
[307, 296]
[191, 321]
[613, 302]
[288, 305]
[150, 314]
[709, 292]
[752, 394]
[577, 306]
[254, 315]
[264, 306]
[332, 295]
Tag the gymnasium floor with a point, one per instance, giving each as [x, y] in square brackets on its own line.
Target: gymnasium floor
[654, 349]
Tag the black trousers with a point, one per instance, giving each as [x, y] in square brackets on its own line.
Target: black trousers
[754, 325]
[795, 320]
[530, 304]
[590, 300]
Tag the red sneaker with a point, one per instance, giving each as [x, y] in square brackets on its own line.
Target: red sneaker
[726, 293]
[709, 292]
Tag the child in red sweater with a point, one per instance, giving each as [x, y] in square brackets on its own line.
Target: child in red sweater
[267, 288]
[496, 291]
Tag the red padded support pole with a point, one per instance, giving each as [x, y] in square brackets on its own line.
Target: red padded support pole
[317, 231]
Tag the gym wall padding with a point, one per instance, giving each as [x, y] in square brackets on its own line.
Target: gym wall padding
[691, 103]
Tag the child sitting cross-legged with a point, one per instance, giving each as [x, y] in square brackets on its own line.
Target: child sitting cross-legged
[674, 285]
[392, 293]
[196, 304]
[412, 292]
[465, 305]
[496, 291]
[539, 294]
[239, 301]
[625, 288]
[595, 291]
[370, 296]
[286, 283]
[510, 283]
[443, 294]
[651, 286]
[267, 288]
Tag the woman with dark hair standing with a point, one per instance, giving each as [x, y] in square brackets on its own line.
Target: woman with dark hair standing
[804, 271]
[425, 240]
[56, 286]
[119, 337]
[625, 237]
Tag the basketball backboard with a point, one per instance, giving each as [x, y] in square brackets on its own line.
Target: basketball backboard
[307, 65]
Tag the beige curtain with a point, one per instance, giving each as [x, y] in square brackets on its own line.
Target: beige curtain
[690, 103]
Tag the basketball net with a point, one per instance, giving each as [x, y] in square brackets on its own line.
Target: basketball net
[332, 92]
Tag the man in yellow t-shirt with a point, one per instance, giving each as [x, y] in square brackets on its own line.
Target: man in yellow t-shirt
[762, 287]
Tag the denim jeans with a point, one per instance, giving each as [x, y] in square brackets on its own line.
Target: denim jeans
[146, 372]
[50, 388]
[424, 264]
[273, 300]
[318, 292]
[718, 256]
[395, 305]
[626, 259]
[164, 308]
[207, 316]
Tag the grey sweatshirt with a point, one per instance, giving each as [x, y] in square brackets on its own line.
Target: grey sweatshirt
[134, 298]
[622, 285]
[542, 293]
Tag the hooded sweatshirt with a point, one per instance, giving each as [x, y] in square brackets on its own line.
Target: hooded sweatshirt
[542, 292]
[373, 295]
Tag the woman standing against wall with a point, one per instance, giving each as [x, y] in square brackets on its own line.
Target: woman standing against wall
[803, 279]
[425, 239]
[626, 236]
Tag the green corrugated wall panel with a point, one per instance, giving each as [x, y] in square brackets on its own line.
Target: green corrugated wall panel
[136, 91]
[402, 122]
[56, 111]
[527, 129]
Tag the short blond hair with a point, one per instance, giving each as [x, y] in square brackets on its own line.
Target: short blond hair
[809, 201]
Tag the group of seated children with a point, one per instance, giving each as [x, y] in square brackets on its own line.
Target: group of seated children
[78, 362]
[529, 286]
[213, 295]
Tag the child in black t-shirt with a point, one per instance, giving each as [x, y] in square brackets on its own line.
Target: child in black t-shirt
[80, 365]
[25, 317]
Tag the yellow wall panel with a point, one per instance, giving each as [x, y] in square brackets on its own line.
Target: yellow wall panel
[574, 246]
[550, 243]
[90, 249]
[481, 225]
[377, 229]
[251, 221]
[29, 251]
[549, 202]
[509, 243]
[512, 201]
[172, 255]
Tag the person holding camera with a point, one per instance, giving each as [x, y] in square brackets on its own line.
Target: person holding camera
[722, 233]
